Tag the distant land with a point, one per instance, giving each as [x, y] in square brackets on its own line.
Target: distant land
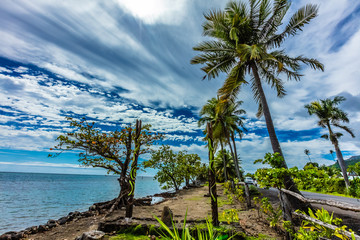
[348, 162]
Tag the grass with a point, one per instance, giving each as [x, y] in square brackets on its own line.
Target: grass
[194, 198]
[222, 202]
[129, 236]
[260, 237]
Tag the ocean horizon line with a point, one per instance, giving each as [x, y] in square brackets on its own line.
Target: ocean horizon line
[107, 175]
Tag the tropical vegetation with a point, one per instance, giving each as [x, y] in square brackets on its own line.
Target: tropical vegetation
[330, 116]
[116, 151]
[173, 168]
[226, 121]
[247, 38]
[245, 45]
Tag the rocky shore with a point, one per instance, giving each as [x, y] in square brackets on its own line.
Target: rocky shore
[96, 209]
[95, 223]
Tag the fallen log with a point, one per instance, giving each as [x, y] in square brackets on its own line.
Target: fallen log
[332, 227]
[344, 206]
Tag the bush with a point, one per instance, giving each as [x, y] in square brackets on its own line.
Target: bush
[354, 189]
[253, 191]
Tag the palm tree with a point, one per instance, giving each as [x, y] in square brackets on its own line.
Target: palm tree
[331, 116]
[245, 37]
[332, 152]
[226, 123]
[209, 113]
[229, 165]
[233, 124]
[307, 152]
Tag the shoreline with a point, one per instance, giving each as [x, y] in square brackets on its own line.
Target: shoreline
[94, 210]
[32, 199]
[193, 201]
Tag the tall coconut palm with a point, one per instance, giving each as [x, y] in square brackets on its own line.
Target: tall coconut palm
[247, 39]
[331, 116]
[209, 113]
[226, 122]
[229, 165]
[307, 152]
[233, 124]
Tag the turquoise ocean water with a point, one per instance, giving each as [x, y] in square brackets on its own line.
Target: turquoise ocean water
[28, 199]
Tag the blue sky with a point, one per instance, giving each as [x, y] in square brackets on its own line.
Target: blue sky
[115, 61]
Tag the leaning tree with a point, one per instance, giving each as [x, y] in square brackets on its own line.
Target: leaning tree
[116, 151]
[246, 38]
[330, 115]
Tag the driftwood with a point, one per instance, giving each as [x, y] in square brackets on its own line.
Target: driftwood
[346, 233]
[344, 206]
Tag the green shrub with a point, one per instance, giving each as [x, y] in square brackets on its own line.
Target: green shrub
[253, 191]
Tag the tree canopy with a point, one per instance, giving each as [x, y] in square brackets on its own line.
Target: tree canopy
[111, 150]
[173, 168]
[246, 38]
[330, 116]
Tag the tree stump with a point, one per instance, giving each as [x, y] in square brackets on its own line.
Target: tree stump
[166, 216]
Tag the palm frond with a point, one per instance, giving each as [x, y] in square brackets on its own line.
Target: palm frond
[214, 63]
[270, 27]
[312, 62]
[275, 82]
[325, 136]
[264, 12]
[233, 82]
[338, 135]
[303, 16]
[213, 46]
[347, 129]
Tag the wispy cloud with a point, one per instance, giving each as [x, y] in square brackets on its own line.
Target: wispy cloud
[115, 61]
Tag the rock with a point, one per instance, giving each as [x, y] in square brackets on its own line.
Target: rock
[43, 228]
[166, 216]
[12, 235]
[63, 220]
[32, 230]
[74, 214]
[92, 208]
[51, 223]
[92, 235]
[5, 237]
[87, 214]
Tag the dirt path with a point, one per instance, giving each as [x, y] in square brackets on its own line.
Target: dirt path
[193, 200]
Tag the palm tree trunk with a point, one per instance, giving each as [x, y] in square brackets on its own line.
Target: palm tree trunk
[342, 164]
[212, 181]
[223, 155]
[339, 155]
[288, 181]
[236, 160]
[233, 155]
[332, 156]
[269, 123]
[240, 176]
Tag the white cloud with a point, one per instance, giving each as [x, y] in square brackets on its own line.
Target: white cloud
[95, 44]
[157, 11]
